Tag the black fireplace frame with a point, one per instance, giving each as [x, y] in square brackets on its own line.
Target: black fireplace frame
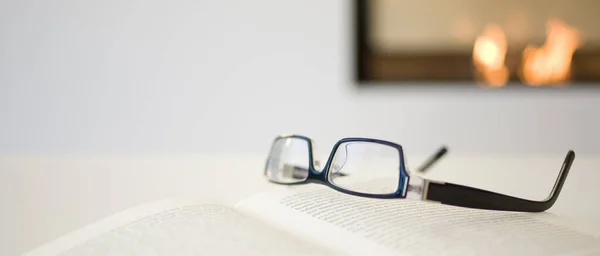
[454, 67]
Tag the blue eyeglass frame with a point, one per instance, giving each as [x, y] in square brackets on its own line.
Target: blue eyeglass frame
[321, 177]
[432, 190]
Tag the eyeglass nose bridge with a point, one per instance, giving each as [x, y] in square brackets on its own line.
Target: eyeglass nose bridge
[318, 176]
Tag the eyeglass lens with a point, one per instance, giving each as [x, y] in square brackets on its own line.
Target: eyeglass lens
[365, 167]
[288, 161]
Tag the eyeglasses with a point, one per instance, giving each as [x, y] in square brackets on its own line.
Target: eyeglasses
[377, 169]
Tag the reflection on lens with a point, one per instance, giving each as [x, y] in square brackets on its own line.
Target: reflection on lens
[288, 161]
[365, 167]
[339, 160]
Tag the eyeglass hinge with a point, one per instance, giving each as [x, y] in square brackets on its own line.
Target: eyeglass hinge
[426, 188]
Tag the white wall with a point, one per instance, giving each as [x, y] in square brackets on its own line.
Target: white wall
[187, 75]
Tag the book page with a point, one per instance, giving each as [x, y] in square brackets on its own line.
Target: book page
[172, 227]
[359, 225]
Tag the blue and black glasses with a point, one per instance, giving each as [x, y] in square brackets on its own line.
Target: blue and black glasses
[377, 169]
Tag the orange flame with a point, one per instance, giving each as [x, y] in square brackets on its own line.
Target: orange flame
[551, 63]
[489, 53]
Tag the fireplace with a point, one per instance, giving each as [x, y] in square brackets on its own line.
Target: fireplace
[489, 43]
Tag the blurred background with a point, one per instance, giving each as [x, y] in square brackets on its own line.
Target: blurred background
[132, 76]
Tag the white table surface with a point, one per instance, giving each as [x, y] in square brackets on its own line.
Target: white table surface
[46, 196]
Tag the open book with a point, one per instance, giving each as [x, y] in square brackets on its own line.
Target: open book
[314, 220]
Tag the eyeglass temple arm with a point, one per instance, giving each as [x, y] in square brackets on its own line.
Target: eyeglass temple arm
[458, 195]
[432, 159]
